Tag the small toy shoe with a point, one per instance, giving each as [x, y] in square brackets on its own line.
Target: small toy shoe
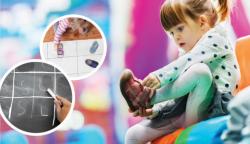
[60, 51]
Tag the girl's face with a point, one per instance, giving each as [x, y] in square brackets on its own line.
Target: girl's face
[79, 25]
[186, 36]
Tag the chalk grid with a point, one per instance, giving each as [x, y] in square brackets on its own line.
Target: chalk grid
[13, 97]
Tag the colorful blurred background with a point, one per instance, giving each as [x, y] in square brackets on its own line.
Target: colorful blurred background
[135, 40]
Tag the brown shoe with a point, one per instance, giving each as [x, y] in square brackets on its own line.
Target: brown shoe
[135, 94]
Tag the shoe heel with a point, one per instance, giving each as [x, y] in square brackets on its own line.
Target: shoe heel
[126, 76]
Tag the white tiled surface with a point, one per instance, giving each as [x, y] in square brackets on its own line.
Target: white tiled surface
[74, 75]
[69, 64]
[45, 50]
[68, 46]
[75, 54]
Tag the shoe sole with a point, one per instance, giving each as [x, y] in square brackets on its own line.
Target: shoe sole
[126, 76]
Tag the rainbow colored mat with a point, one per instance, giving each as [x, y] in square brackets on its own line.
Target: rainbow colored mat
[206, 132]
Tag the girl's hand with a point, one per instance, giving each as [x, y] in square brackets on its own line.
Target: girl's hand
[142, 112]
[62, 107]
[151, 81]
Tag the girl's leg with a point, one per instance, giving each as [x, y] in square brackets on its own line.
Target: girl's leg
[196, 81]
[140, 134]
[146, 131]
[200, 98]
[55, 26]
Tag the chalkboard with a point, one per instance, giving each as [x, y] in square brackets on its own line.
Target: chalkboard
[25, 101]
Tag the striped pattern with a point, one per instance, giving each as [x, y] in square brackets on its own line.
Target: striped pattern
[205, 132]
[62, 26]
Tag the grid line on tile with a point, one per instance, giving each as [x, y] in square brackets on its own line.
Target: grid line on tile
[74, 56]
[77, 57]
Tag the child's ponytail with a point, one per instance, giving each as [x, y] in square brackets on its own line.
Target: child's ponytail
[224, 8]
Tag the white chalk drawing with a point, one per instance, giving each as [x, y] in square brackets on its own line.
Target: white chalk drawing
[40, 72]
[21, 107]
[25, 90]
[33, 100]
[40, 85]
[24, 96]
[54, 112]
[12, 98]
[24, 101]
[44, 110]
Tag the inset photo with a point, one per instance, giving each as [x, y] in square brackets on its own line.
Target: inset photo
[76, 44]
[35, 97]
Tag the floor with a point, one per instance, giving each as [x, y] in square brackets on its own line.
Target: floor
[68, 35]
[75, 54]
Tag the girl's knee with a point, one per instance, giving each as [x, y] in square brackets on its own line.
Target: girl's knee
[138, 134]
[131, 134]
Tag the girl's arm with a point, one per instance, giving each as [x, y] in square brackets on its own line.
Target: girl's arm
[62, 26]
[209, 49]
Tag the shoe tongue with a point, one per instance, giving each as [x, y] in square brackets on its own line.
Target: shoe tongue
[134, 87]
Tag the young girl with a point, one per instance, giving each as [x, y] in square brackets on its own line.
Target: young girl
[206, 74]
[77, 25]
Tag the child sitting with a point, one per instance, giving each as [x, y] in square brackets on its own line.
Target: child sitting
[206, 74]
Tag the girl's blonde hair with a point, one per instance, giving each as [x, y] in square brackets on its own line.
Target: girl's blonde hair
[75, 23]
[79, 23]
[174, 12]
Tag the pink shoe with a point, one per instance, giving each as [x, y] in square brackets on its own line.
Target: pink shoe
[134, 92]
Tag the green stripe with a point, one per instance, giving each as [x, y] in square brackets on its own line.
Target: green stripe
[183, 137]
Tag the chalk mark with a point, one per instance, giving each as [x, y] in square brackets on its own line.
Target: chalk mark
[12, 98]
